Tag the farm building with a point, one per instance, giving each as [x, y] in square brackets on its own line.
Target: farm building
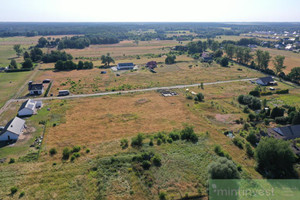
[35, 89]
[151, 64]
[29, 107]
[285, 133]
[206, 57]
[125, 66]
[12, 130]
[264, 81]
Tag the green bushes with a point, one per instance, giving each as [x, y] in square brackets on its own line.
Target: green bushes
[137, 141]
[266, 93]
[124, 143]
[156, 160]
[223, 169]
[220, 152]
[52, 151]
[238, 141]
[252, 102]
[199, 97]
[254, 93]
[277, 112]
[66, 153]
[76, 149]
[12, 160]
[249, 150]
[282, 91]
[13, 190]
[188, 134]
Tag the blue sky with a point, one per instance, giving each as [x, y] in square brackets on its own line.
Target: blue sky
[150, 10]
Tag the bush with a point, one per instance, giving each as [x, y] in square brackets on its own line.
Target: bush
[188, 134]
[159, 141]
[87, 151]
[249, 150]
[199, 97]
[162, 196]
[146, 164]
[52, 151]
[251, 117]
[190, 97]
[12, 160]
[66, 153]
[224, 62]
[174, 135]
[282, 91]
[137, 141]
[252, 138]
[151, 142]
[219, 151]
[169, 140]
[13, 190]
[76, 149]
[223, 169]
[254, 93]
[73, 158]
[238, 141]
[266, 93]
[156, 160]
[252, 102]
[246, 109]
[22, 194]
[281, 120]
[124, 143]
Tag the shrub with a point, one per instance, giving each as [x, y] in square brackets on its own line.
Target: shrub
[77, 155]
[188, 134]
[12, 160]
[73, 158]
[282, 91]
[199, 97]
[137, 141]
[174, 135]
[246, 109]
[52, 151]
[159, 141]
[146, 164]
[162, 196]
[223, 169]
[238, 141]
[76, 149]
[249, 150]
[87, 151]
[151, 142]
[156, 160]
[22, 194]
[169, 140]
[66, 153]
[124, 143]
[252, 102]
[13, 190]
[219, 151]
[266, 93]
[190, 97]
[252, 138]
[254, 93]
[251, 116]
[281, 120]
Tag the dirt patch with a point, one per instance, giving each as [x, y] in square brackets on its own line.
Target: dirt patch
[225, 118]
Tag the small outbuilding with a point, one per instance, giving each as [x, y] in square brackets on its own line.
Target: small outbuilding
[13, 130]
[265, 81]
[29, 107]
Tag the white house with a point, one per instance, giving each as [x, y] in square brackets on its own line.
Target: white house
[125, 66]
[13, 129]
[35, 89]
[29, 107]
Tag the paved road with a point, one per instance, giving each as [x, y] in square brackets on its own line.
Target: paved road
[132, 91]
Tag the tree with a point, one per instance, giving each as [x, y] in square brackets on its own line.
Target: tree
[278, 63]
[26, 55]
[66, 153]
[170, 59]
[277, 112]
[18, 50]
[42, 42]
[294, 75]
[218, 53]
[230, 49]
[199, 97]
[224, 62]
[296, 119]
[137, 141]
[263, 59]
[275, 158]
[223, 169]
[13, 64]
[36, 54]
[80, 65]
[107, 59]
[215, 45]
[27, 64]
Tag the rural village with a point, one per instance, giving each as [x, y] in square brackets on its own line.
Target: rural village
[146, 111]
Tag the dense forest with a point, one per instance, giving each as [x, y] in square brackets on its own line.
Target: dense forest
[122, 30]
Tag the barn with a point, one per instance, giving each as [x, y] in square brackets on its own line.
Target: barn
[29, 107]
[125, 66]
[13, 130]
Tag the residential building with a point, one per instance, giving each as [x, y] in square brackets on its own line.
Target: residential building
[13, 130]
[35, 89]
[125, 66]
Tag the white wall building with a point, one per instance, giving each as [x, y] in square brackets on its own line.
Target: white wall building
[29, 107]
[13, 130]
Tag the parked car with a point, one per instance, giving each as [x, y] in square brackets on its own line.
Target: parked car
[46, 81]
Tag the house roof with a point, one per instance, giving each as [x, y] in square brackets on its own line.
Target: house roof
[30, 104]
[125, 64]
[286, 132]
[15, 126]
[38, 86]
[266, 79]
